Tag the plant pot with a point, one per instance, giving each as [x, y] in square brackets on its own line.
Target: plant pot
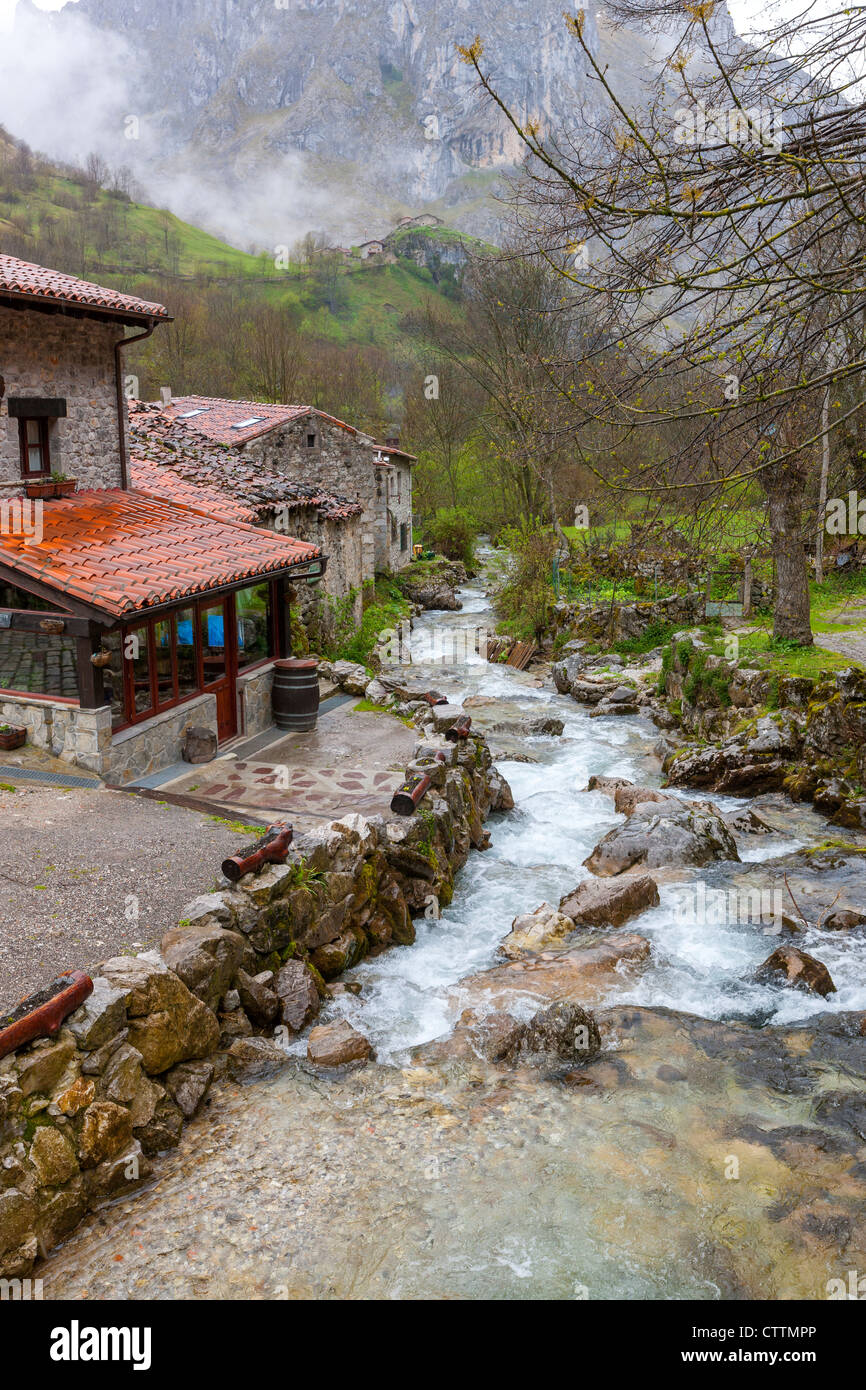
[50, 487]
[66, 488]
[41, 1015]
[34, 490]
[15, 737]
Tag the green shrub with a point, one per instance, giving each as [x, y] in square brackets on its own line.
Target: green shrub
[452, 532]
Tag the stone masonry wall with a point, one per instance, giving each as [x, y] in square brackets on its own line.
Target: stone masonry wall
[75, 735]
[343, 463]
[83, 1115]
[52, 355]
[156, 744]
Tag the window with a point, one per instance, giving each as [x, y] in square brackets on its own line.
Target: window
[247, 424]
[404, 536]
[311, 441]
[35, 454]
[254, 625]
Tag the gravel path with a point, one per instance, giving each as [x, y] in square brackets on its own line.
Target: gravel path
[85, 875]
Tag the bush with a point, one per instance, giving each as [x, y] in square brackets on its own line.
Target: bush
[527, 598]
[452, 532]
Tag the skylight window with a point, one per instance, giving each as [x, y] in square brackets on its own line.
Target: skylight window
[190, 414]
[245, 424]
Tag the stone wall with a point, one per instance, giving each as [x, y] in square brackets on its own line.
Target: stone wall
[254, 699]
[81, 736]
[51, 355]
[342, 462]
[156, 743]
[83, 1115]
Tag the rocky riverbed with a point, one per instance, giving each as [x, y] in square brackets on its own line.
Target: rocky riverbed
[617, 1105]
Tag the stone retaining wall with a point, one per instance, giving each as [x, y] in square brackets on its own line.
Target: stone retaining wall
[83, 1116]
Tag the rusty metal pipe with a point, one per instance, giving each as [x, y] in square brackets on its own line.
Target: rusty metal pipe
[41, 1014]
[407, 799]
[460, 729]
[273, 848]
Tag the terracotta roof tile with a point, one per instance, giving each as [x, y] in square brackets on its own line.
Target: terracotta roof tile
[40, 283]
[122, 552]
[166, 482]
[219, 419]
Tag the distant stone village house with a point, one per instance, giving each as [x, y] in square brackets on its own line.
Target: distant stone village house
[128, 609]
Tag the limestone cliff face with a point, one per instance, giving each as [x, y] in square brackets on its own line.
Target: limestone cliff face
[363, 106]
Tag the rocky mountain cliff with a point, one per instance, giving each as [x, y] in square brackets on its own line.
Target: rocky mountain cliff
[263, 118]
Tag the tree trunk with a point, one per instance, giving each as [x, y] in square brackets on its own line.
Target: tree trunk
[822, 498]
[791, 614]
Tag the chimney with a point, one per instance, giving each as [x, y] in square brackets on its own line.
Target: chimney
[393, 441]
[165, 395]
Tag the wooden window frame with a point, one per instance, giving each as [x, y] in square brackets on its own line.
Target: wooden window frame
[26, 472]
[132, 717]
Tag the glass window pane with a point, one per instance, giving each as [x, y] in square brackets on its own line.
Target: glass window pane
[34, 460]
[32, 431]
[135, 650]
[254, 627]
[162, 632]
[213, 643]
[187, 674]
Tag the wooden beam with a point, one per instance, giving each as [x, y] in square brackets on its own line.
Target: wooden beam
[91, 685]
[32, 619]
[283, 619]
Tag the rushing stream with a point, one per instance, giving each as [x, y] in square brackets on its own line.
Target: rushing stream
[426, 1177]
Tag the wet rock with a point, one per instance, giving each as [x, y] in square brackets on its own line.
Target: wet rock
[53, 1157]
[844, 919]
[258, 997]
[117, 1174]
[606, 708]
[501, 793]
[608, 785]
[846, 1109]
[852, 814]
[188, 1084]
[336, 1044]
[334, 957]
[590, 690]
[349, 676]
[295, 988]
[664, 835]
[565, 673]
[231, 1026]
[254, 1059]
[163, 1129]
[564, 1031]
[167, 1023]
[16, 1220]
[580, 975]
[829, 796]
[626, 798]
[754, 760]
[534, 930]
[746, 822]
[497, 1035]
[594, 904]
[790, 966]
[106, 1129]
[205, 958]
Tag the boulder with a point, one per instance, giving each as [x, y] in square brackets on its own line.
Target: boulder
[199, 744]
[564, 1032]
[188, 1084]
[100, 1017]
[626, 798]
[205, 958]
[254, 1059]
[41, 1067]
[336, 1044]
[53, 1157]
[670, 834]
[534, 930]
[295, 988]
[789, 966]
[593, 904]
[105, 1131]
[349, 676]
[844, 919]
[258, 997]
[167, 1023]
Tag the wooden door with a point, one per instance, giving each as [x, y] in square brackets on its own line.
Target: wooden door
[219, 661]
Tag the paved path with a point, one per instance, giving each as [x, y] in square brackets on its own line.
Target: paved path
[85, 875]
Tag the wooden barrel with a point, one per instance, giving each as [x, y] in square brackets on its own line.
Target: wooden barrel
[296, 694]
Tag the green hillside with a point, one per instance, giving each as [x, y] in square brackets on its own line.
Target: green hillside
[85, 223]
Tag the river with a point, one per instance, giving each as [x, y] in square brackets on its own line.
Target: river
[440, 1176]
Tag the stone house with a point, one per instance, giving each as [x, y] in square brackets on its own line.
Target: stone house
[125, 615]
[310, 448]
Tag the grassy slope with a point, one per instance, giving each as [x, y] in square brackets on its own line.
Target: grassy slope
[146, 245]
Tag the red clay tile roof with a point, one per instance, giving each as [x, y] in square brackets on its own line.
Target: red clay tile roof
[121, 552]
[176, 457]
[21, 278]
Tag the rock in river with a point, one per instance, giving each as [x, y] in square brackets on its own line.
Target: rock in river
[534, 930]
[788, 966]
[669, 834]
[593, 904]
[335, 1044]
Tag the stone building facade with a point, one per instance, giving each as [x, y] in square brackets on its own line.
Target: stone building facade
[72, 361]
[303, 445]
